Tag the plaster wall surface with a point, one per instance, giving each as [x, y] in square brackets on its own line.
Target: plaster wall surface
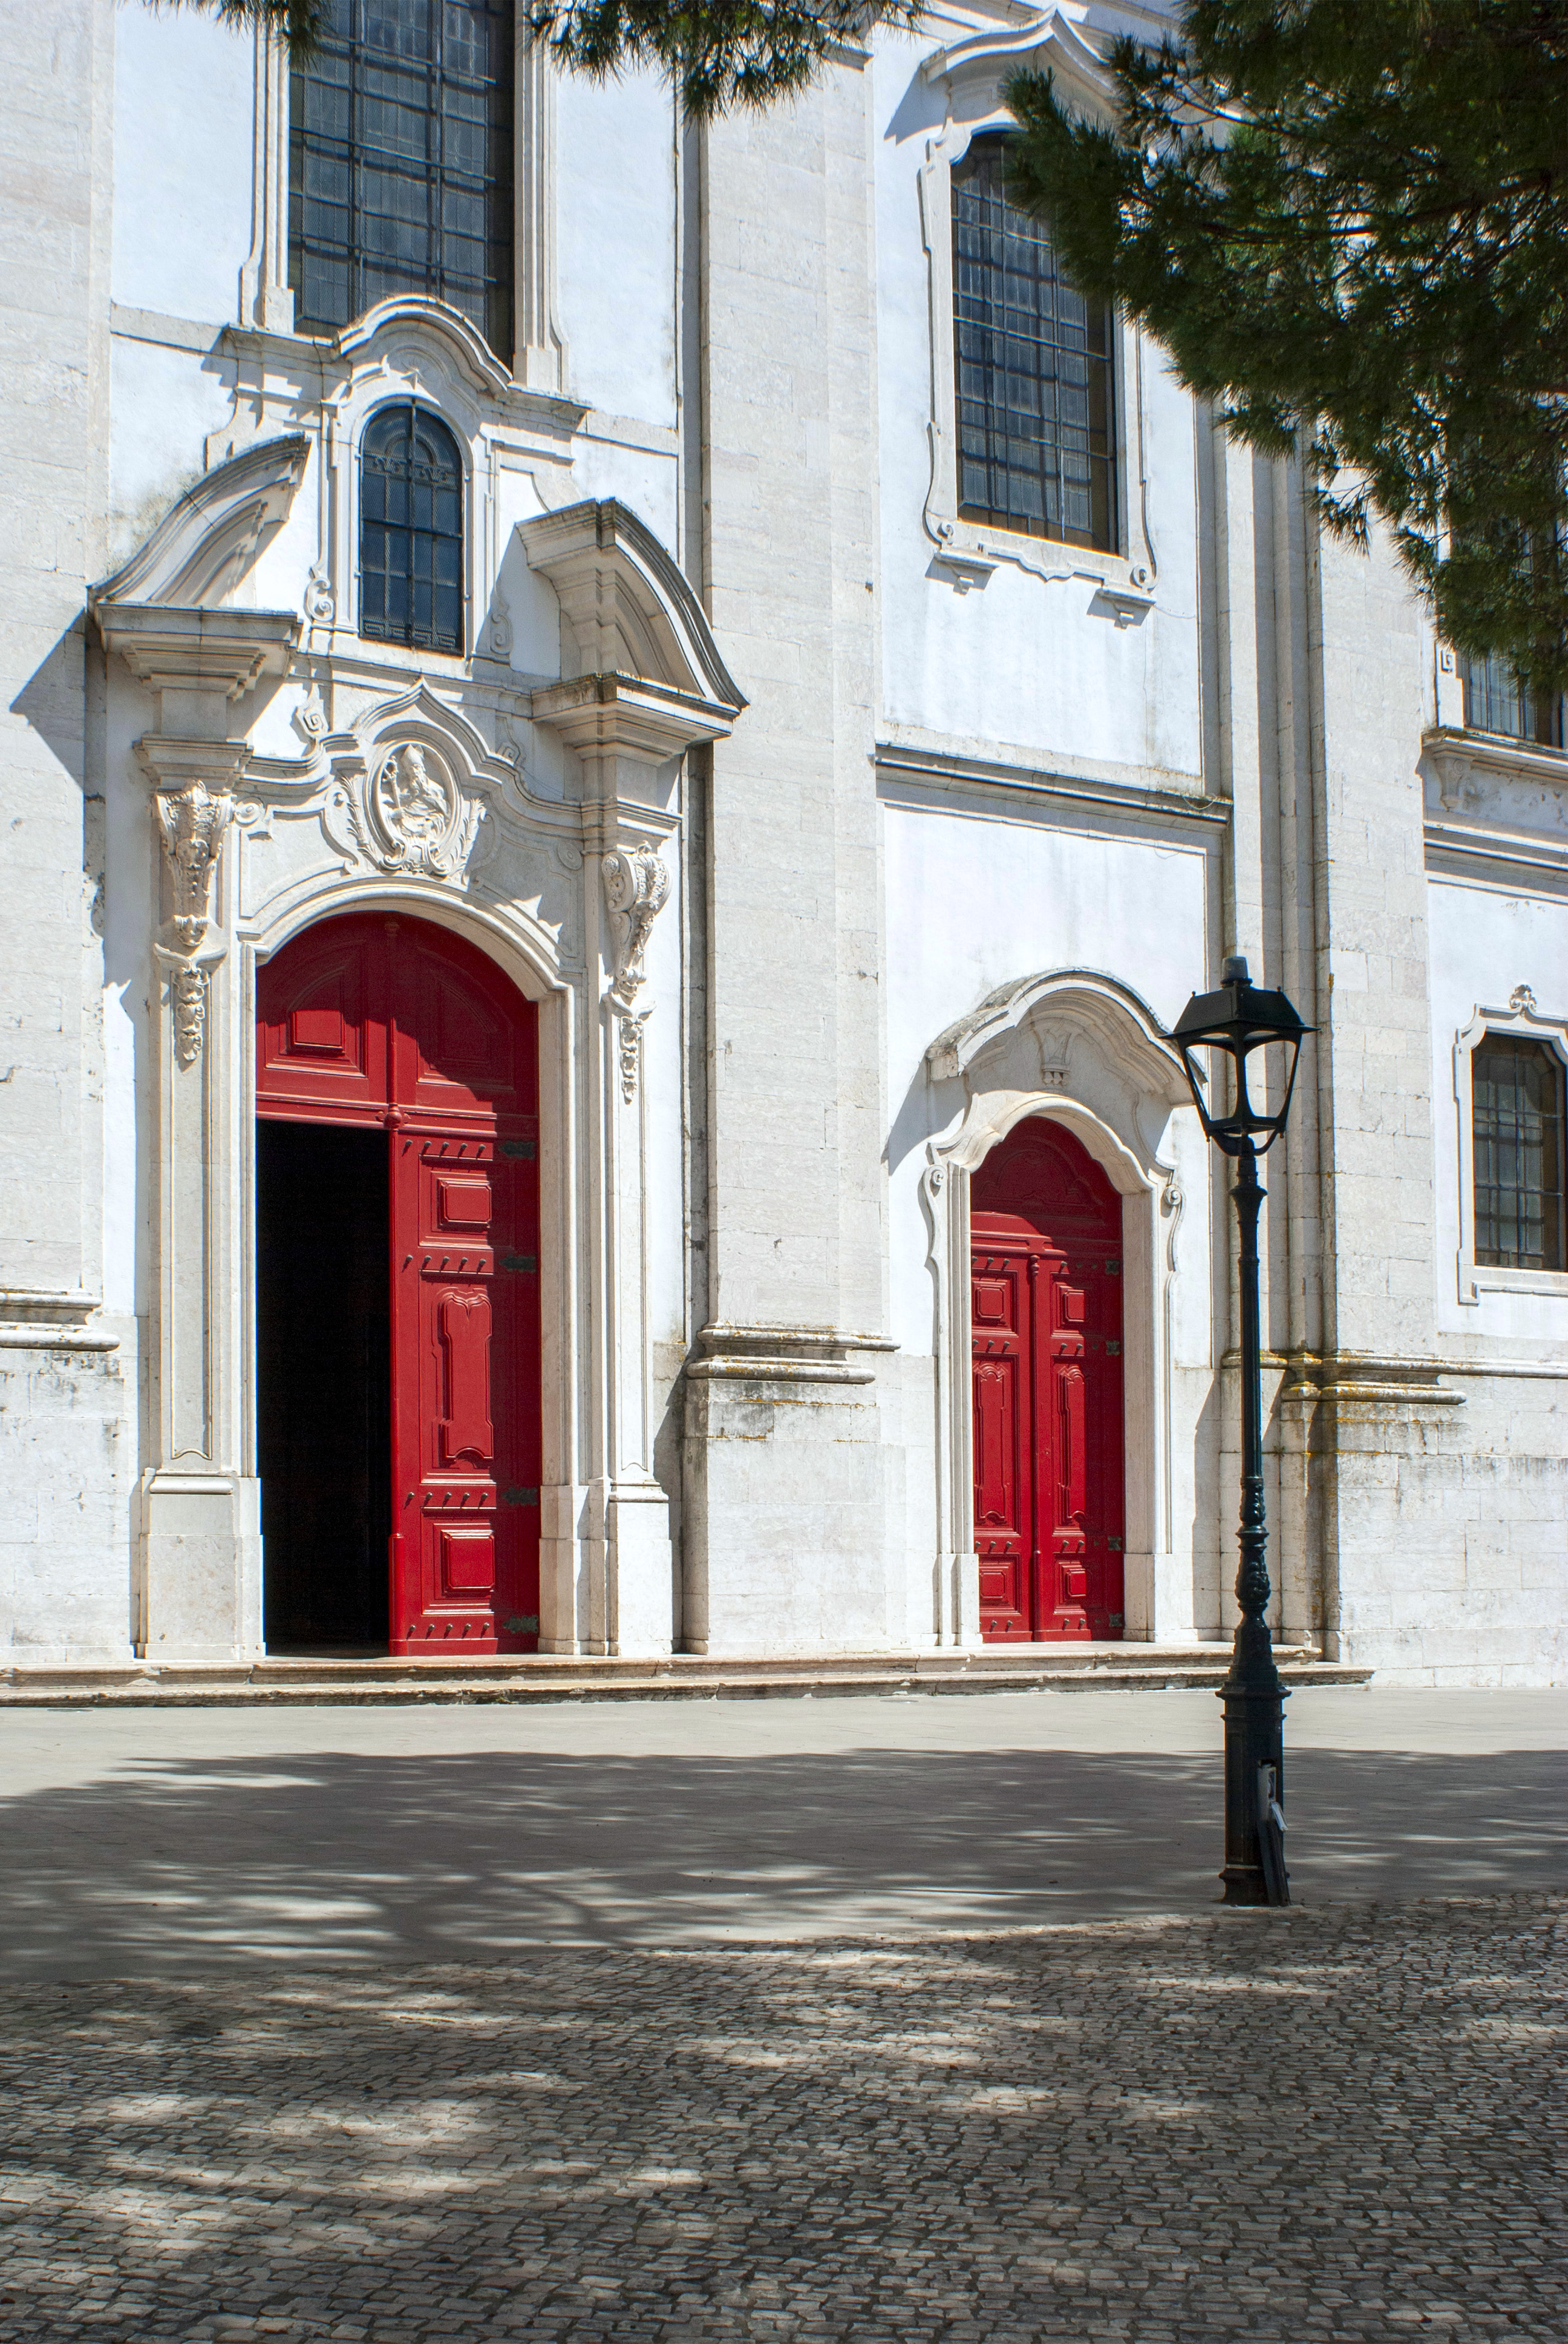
[946, 785]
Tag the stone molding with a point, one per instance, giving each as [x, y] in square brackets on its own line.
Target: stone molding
[971, 73]
[1459, 759]
[787, 1355]
[628, 609]
[210, 538]
[1524, 1018]
[1080, 1049]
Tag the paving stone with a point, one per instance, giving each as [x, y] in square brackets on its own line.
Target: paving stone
[1342, 2124]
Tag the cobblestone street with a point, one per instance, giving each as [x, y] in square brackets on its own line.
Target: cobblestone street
[1343, 2124]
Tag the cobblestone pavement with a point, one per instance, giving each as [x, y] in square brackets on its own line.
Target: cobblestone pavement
[1345, 2123]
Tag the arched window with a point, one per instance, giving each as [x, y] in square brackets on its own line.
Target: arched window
[1516, 1089]
[1036, 403]
[411, 530]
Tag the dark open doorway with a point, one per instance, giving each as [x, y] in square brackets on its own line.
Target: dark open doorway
[323, 1385]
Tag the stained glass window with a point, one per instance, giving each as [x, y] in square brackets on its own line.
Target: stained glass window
[1036, 405]
[1517, 1092]
[400, 162]
[411, 530]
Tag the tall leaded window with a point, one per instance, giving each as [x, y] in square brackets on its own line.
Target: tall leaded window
[400, 162]
[411, 530]
[1516, 1091]
[1036, 399]
[1496, 701]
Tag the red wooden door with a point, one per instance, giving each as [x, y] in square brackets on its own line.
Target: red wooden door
[1046, 1327]
[369, 1020]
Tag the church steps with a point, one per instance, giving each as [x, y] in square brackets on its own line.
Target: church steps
[543, 1677]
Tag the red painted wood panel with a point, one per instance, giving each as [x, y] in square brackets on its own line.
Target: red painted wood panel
[393, 1021]
[1047, 1325]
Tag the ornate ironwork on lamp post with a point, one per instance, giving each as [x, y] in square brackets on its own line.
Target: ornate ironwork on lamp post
[1245, 1024]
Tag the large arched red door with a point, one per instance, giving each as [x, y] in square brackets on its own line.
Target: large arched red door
[1046, 1324]
[398, 1107]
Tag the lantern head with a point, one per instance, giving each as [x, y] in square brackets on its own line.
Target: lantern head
[1245, 1024]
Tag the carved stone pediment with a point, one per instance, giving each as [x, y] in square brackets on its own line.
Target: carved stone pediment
[200, 551]
[1057, 1003]
[627, 611]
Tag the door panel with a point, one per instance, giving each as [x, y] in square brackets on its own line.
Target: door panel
[321, 1026]
[1046, 1320]
[1001, 1311]
[394, 1024]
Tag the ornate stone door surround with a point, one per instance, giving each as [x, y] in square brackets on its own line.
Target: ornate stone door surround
[1084, 1050]
[405, 806]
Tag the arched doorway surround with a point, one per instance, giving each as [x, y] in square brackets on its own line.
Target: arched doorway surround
[1083, 1051]
[1046, 1327]
[398, 1219]
[542, 823]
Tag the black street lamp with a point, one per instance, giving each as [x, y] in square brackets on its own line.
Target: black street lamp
[1245, 1024]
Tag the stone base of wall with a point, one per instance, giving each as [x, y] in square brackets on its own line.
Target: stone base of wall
[68, 1463]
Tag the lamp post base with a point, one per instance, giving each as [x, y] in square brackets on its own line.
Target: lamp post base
[1255, 1696]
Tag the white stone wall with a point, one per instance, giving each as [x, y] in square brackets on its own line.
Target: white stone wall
[66, 1415]
[967, 768]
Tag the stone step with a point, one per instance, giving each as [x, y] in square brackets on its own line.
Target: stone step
[548, 1677]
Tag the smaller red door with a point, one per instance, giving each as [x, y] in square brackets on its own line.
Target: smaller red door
[1046, 1333]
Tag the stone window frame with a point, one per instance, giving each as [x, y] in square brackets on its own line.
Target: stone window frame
[538, 359]
[971, 73]
[461, 651]
[1523, 1020]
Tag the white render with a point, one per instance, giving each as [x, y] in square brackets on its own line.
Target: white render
[831, 834]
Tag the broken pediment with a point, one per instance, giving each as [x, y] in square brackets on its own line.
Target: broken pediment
[625, 608]
[199, 551]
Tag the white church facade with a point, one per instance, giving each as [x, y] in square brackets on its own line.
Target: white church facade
[621, 745]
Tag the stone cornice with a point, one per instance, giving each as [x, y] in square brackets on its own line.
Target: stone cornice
[208, 651]
[789, 1354]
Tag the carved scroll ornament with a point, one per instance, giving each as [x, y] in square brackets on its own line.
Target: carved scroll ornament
[193, 822]
[636, 889]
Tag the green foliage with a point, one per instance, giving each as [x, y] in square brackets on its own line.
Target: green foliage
[734, 53]
[300, 22]
[1347, 220]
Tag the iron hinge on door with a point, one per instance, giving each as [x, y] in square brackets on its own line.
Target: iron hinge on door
[528, 1263]
[526, 1148]
[516, 1497]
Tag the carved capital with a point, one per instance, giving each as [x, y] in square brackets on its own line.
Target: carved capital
[192, 821]
[636, 889]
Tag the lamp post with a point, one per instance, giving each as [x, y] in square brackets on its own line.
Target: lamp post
[1243, 1023]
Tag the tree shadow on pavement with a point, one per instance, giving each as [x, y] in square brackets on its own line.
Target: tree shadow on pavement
[175, 1865]
[1296, 2125]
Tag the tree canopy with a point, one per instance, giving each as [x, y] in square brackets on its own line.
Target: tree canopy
[1347, 220]
[718, 54]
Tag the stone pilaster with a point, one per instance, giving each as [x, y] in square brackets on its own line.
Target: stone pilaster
[784, 1487]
